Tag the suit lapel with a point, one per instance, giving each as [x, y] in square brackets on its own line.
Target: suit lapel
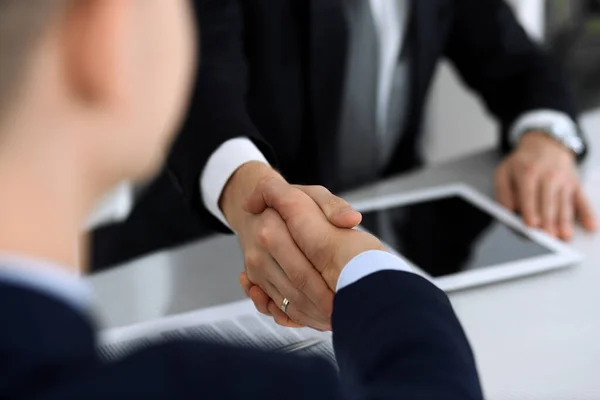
[417, 36]
[429, 23]
[328, 42]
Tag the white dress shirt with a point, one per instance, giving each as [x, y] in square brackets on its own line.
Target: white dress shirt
[51, 280]
[391, 18]
[114, 207]
[368, 263]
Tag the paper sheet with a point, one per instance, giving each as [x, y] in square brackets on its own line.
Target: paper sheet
[237, 324]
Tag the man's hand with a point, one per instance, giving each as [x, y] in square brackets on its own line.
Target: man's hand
[296, 279]
[327, 247]
[539, 180]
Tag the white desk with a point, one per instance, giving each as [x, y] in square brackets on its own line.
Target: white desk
[535, 338]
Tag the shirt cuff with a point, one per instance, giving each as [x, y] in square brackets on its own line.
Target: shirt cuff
[368, 263]
[47, 278]
[114, 207]
[538, 119]
[220, 166]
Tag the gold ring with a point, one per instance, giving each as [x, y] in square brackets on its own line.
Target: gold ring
[284, 305]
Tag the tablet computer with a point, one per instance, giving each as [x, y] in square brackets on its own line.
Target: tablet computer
[458, 238]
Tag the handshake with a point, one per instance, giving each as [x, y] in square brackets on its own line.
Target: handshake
[296, 241]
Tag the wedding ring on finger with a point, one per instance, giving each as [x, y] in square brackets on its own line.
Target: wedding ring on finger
[284, 305]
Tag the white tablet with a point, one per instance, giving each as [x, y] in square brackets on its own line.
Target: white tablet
[459, 238]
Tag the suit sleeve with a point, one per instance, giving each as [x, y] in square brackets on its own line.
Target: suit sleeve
[496, 57]
[218, 111]
[397, 337]
[48, 351]
[189, 370]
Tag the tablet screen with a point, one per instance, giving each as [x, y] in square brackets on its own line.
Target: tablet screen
[448, 235]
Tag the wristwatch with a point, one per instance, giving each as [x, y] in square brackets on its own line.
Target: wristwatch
[562, 134]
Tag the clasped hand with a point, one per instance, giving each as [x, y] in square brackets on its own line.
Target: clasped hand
[274, 265]
[304, 244]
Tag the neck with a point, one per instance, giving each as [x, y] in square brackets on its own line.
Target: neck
[39, 216]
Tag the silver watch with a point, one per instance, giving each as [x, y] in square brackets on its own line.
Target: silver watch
[562, 135]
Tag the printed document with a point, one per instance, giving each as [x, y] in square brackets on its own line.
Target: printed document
[237, 324]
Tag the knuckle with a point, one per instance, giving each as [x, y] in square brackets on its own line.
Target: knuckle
[253, 277]
[263, 236]
[529, 170]
[555, 176]
[266, 232]
[299, 280]
[252, 261]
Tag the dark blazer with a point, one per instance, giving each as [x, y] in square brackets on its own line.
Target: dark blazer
[395, 337]
[273, 71]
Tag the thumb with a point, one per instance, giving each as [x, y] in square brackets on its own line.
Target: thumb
[307, 224]
[339, 212]
[290, 202]
[267, 193]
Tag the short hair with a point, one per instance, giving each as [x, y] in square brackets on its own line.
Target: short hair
[22, 23]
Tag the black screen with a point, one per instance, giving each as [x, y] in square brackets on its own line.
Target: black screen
[449, 235]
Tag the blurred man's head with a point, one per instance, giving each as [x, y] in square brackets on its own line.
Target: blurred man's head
[98, 86]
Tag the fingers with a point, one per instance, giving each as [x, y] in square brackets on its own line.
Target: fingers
[503, 188]
[548, 191]
[336, 209]
[306, 222]
[566, 214]
[310, 229]
[300, 279]
[267, 194]
[300, 308]
[528, 195]
[286, 199]
[293, 277]
[296, 278]
[261, 302]
[245, 282]
[256, 294]
[293, 312]
[584, 210]
[281, 318]
[549, 207]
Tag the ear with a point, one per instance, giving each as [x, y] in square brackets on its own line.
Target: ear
[99, 41]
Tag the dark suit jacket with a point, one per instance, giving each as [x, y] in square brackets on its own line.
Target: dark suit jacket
[273, 71]
[395, 336]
